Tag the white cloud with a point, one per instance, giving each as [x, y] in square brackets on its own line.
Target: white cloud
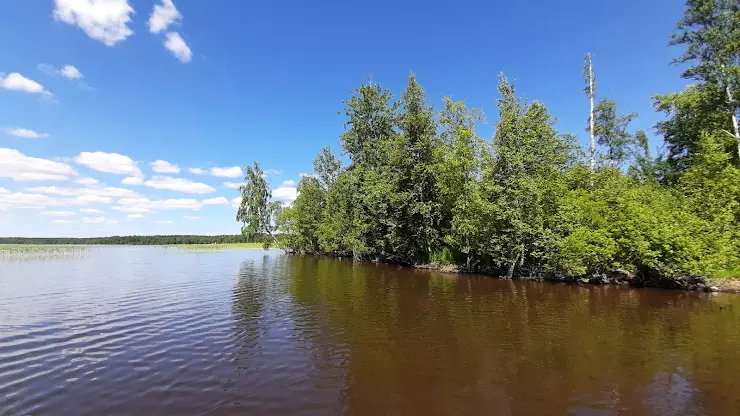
[58, 213]
[23, 200]
[132, 180]
[62, 221]
[132, 209]
[19, 167]
[103, 20]
[231, 185]
[92, 199]
[141, 204]
[289, 182]
[109, 163]
[26, 133]
[96, 220]
[164, 222]
[106, 192]
[191, 217]
[236, 202]
[176, 44]
[70, 72]
[216, 201]
[90, 210]
[163, 15]
[268, 172]
[144, 205]
[286, 193]
[135, 216]
[196, 171]
[67, 71]
[87, 181]
[17, 82]
[229, 172]
[163, 166]
[179, 184]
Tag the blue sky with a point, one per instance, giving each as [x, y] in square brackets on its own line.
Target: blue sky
[108, 107]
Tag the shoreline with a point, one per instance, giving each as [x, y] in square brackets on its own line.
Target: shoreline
[618, 278]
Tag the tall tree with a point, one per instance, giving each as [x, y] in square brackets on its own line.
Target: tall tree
[710, 30]
[415, 229]
[611, 130]
[257, 213]
[590, 90]
[327, 167]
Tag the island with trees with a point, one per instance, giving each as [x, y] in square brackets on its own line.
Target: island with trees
[417, 186]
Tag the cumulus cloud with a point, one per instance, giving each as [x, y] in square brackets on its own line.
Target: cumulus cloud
[191, 217]
[87, 181]
[228, 172]
[216, 201]
[132, 209]
[58, 213]
[163, 15]
[179, 184]
[26, 133]
[70, 72]
[24, 200]
[95, 220]
[105, 192]
[135, 216]
[62, 221]
[196, 171]
[146, 204]
[19, 167]
[286, 193]
[67, 71]
[17, 82]
[132, 180]
[163, 166]
[103, 20]
[109, 163]
[90, 210]
[92, 199]
[176, 44]
[289, 182]
[41, 201]
[231, 185]
[236, 202]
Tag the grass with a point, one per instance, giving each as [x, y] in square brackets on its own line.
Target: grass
[32, 251]
[215, 247]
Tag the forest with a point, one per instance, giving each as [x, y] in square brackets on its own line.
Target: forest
[135, 239]
[415, 185]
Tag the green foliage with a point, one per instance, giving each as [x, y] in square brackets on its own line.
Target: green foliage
[257, 213]
[611, 131]
[423, 187]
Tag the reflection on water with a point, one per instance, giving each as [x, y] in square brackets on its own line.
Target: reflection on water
[143, 330]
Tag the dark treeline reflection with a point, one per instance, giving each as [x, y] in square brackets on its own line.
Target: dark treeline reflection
[405, 341]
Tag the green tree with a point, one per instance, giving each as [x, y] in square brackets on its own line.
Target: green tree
[327, 167]
[611, 130]
[710, 31]
[257, 213]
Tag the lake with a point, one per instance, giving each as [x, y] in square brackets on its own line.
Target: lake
[149, 330]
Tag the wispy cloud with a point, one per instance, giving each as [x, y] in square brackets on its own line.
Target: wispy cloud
[26, 133]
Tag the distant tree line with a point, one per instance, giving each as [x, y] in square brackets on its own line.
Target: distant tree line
[420, 186]
[137, 240]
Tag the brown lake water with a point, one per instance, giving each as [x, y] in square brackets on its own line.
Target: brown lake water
[147, 331]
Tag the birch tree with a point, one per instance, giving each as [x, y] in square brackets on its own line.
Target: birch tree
[710, 30]
[590, 90]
